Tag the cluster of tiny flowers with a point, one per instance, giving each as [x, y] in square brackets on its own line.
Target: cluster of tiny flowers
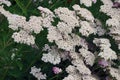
[25, 28]
[53, 56]
[5, 2]
[107, 55]
[37, 73]
[115, 73]
[106, 52]
[56, 70]
[64, 36]
[87, 3]
[114, 21]
[88, 56]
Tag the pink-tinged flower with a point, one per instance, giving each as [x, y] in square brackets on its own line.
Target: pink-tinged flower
[103, 63]
[94, 1]
[116, 5]
[56, 70]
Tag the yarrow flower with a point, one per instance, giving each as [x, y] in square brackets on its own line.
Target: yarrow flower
[67, 44]
[87, 3]
[103, 63]
[37, 73]
[56, 70]
[7, 2]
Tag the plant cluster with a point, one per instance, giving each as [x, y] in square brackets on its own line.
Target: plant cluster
[60, 39]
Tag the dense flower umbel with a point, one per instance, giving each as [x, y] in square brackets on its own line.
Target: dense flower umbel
[114, 21]
[37, 73]
[87, 3]
[5, 2]
[70, 37]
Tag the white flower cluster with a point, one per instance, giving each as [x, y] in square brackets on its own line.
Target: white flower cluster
[83, 13]
[23, 37]
[75, 75]
[106, 52]
[62, 33]
[90, 78]
[26, 28]
[53, 56]
[5, 2]
[62, 39]
[87, 3]
[114, 21]
[100, 30]
[67, 16]
[115, 73]
[88, 56]
[37, 73]
[79, 67]
[47, 17]
[86, 28]
[88, 24]
[78, 70]
[66, 39]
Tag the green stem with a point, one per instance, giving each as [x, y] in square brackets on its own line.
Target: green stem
[54, 4]
[4, 74]
[56, 75]
[4, 43]
[73, 1]
[32, 62]
[28, 4]
[21, 7]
